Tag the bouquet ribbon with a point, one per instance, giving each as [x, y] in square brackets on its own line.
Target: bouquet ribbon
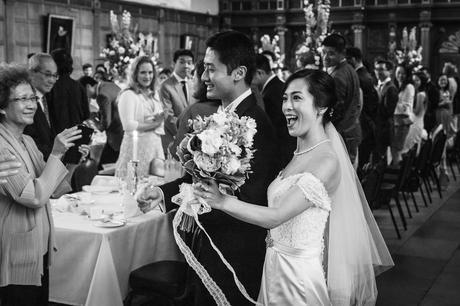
[183, 199]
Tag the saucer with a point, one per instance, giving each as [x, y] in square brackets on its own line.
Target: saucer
[111, 223]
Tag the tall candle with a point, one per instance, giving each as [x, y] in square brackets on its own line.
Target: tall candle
[135, 144]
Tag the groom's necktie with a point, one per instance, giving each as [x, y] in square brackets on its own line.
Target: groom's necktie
[184, 89]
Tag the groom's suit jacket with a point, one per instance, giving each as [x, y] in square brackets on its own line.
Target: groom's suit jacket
[242, 244]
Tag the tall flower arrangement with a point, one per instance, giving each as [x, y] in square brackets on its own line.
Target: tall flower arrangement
[126, 43]
[316, 29]
[409, 53]
[269, 44]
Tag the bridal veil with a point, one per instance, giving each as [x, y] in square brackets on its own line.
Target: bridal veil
[356, 251]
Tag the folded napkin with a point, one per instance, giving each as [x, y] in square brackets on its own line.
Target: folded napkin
[61, 205]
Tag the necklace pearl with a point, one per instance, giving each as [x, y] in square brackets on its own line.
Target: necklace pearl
[310, 148]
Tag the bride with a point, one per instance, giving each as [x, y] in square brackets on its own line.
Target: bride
[323, 244]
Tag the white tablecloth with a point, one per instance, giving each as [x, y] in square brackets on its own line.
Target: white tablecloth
[92, 264]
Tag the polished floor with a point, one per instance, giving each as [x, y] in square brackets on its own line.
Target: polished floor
[427, 258]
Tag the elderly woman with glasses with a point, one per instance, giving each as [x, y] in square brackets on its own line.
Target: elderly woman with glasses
[26, 224]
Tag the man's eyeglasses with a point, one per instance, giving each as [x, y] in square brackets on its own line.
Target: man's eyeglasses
[49, 75]
[23, 100]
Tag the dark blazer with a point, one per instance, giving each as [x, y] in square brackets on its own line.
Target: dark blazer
[385, 112]
[41, 132]
[106, 98]
[241, 243]
[68, 103]
[273, 100]
[348, 102]
[370, 102]
[432, 93]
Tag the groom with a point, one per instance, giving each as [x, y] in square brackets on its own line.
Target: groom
[229, 67]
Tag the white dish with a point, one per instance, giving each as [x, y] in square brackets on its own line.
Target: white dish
[99, 189]
[111, 223]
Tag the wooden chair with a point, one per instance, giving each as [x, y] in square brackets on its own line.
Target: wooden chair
[393, 180]
[371, 182]
[169, 280]
[415, 181]
[439, 142]
[453, 155]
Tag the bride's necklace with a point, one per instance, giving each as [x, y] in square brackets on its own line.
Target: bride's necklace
[310, 148]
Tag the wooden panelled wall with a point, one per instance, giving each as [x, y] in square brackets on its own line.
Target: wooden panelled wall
[23, 26]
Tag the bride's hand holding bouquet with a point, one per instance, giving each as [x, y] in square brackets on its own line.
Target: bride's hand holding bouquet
[219, 149]
[208, 191]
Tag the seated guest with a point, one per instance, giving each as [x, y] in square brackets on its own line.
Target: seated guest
[67, 100]
[43, 74]
[203, 107]
[271, 88]
[26, 230]
[106, 94]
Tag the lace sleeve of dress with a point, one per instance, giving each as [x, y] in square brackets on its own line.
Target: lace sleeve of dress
[314, 191]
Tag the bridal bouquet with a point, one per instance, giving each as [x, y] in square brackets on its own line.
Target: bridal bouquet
[219, 148]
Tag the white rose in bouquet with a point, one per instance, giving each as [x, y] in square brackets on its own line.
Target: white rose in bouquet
[205, 162]
[210, 141]
[220, 118]
[231, 165]
[234, 148]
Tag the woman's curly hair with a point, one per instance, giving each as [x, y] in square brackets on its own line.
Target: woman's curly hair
[11, 75]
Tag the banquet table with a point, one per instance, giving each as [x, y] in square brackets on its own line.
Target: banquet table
[92, 264]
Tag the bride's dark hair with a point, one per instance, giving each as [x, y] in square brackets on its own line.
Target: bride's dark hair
[322, 87]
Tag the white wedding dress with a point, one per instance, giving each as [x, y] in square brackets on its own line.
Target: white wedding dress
[293, 273]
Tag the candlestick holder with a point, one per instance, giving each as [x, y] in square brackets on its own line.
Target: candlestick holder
[131, 176]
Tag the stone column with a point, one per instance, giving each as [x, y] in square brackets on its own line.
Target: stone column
[425, 25]
[358, 27]
[162, 36]
[280, 30]
[255, 35]
[97, 30]
[227, 23]
[358, 35]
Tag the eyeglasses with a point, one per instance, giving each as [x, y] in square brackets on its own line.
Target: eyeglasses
[49, 75]
[23, 100]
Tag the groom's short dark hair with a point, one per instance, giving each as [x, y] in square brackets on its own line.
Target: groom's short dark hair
[234, 49]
